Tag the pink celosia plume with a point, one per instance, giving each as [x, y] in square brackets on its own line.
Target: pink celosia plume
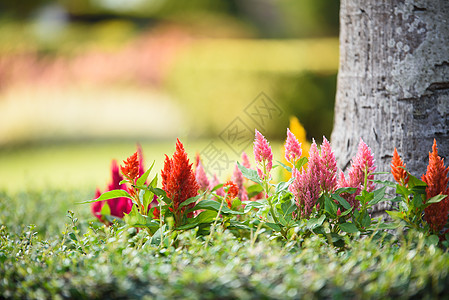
[292, 148]
[328, 168]
[201, 177]
[262, 154]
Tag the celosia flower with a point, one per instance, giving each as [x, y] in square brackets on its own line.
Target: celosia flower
[178, 180]
[263, 155]
[117, 206]
[231, 190]
[131, 168]
[328, 168]
[292, 148]
[201, 177]
[238, 178]
[363, 162]
[398, 169]
[305, 189]
[245, 160]
[436, 179]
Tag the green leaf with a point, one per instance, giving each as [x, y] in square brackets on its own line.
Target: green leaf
[252, 204]
[413, 181]
[238, 225]
[432, 240]
[365, 197]
[283, 186]
[143, 178]
[161, 194]
[289, 169]
[109, 195]
[215, 206]
[105, 210]
[301, 163]
[314, 223]
[395, 215]
[385, 183]
[366, 221]
[378, 196]
[254, 190]
[330, 206]
[436, 199]
[274, 226]
[218, 186]
[136, 219]
[205, 217]
[249, 173]
[341, 200]
[348, 227]
[191, 200]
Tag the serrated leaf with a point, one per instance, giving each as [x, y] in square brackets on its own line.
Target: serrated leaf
[249, 173]
[109, 195]
[143, 178]
[348, 227]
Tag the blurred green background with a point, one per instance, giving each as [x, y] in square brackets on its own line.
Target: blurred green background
[82, 81]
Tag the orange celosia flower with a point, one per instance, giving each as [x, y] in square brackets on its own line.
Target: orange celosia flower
[131, 168]
[398, 169]
[436, 179]
[178, 180]
[232, 191]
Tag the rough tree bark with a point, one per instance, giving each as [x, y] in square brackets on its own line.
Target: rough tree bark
[393, 81]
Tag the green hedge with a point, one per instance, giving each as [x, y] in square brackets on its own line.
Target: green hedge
[97, 262]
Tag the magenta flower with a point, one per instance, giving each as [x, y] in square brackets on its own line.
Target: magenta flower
[117, 206]
[201, 177]
[328, 168]
[292, 148]
[263, 155]
[238, 178]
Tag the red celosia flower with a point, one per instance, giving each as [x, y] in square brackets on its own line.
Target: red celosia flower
[238, 178]
[398, 169]
[436, 180]
[232, 191]
[178, 180]
[118, 206]
[131, 168]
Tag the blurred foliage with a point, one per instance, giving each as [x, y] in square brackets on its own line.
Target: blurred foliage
[215, 80]
[283, 18]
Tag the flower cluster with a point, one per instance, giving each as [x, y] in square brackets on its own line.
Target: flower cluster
[232, 191]
[178, 181]
[263, 155]
[398, 169]
[436, 179]
[360, 174]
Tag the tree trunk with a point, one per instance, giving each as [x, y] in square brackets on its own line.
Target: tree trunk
[393, 81]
